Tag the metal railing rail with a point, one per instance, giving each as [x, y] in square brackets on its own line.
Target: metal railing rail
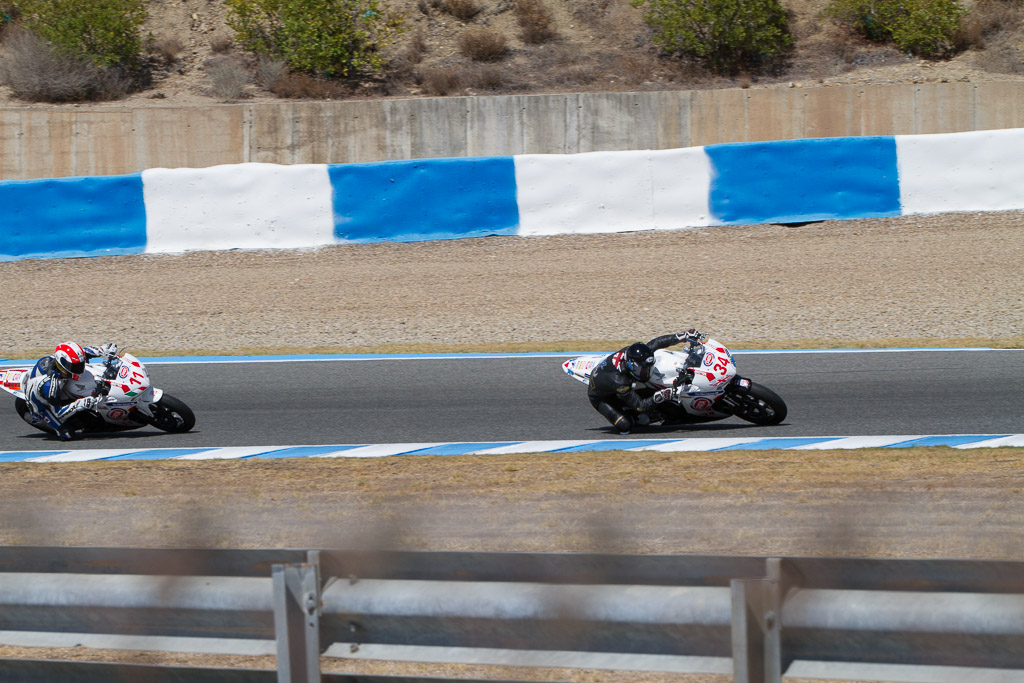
[763, 613]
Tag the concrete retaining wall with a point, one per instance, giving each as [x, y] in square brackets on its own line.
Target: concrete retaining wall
[55, 142]
[307, 205]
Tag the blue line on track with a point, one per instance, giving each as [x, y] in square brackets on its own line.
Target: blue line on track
[298, 358]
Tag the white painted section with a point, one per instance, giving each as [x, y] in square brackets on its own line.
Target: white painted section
[378, 450]
[238, 206]
[532, 447]
[225, 453]
[83, 455]
[856, 442]
[612, 191]
[697, 445]
[1011, 440]
[976, 171]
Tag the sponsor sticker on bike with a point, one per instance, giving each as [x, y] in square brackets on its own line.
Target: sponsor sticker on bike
[701, 404]
[123, 372]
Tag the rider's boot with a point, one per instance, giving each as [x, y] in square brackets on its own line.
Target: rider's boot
[622, 423]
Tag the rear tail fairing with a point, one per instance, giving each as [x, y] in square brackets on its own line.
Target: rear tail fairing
[581, 367]
[12, 380]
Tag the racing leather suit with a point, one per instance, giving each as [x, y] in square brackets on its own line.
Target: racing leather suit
[53, 400]
[611, 387]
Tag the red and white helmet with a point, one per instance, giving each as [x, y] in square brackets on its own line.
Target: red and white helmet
[69, 359]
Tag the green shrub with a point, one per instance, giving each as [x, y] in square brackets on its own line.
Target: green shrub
[321, 37]
[926, 28]
[728, 35]
[104, 32]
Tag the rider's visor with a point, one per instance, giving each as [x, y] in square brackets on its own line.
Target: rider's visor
[73, 369]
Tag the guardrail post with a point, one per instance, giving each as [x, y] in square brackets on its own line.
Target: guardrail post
[757, 623]
[297, 606]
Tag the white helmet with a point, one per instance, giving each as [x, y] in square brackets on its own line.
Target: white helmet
[69, 359]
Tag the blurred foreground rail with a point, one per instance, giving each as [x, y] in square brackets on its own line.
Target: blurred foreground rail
[757, 618]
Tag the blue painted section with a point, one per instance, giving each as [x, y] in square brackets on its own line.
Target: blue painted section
[428, 199]
[461, 448]
[302, 451]
[611, 445]
[70, 217]
[803, 180]
[954, 440]
[19, 456]
[159, 453]
[773, 442]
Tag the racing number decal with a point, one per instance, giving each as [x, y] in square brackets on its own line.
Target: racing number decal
[132, 380]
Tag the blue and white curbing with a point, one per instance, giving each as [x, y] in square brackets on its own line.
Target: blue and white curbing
[960, 441]
[269, 206]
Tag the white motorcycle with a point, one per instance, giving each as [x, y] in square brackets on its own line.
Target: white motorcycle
[707, 386]
[127, 398]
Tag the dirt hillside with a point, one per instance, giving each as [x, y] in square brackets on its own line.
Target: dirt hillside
[594, 46]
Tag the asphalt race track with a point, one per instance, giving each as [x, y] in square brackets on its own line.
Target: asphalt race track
[530, 398]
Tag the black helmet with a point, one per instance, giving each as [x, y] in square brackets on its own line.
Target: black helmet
[639, 361]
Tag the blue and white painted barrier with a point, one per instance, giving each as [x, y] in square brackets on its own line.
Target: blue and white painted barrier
[267, 206]
[384, 450]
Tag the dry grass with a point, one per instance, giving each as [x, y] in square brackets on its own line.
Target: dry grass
[304, 86]
[463, 10]
[483, 44]
[443, 80]
[536, 22]
[168, 49]
[35, 71]
[228, 78]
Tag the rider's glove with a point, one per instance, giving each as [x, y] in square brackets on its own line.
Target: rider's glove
[662, 395]
[87, 403]
[108, 350]
[691, 334]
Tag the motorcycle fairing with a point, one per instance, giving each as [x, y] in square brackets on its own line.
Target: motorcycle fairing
[12, 381]
[711, 363]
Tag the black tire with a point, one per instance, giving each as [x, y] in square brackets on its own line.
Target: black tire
[172, 415]
[759, 405]
[22, 407]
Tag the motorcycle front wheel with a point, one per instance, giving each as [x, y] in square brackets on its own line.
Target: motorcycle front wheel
[172, 415]
[759, 405]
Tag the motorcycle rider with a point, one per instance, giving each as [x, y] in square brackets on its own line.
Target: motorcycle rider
[54, 395]
[611, 389]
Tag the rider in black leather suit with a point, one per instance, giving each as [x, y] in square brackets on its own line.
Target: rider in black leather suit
[611, 389]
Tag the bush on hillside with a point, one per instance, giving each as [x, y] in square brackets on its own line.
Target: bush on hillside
[536, 21]
[925, 28]
[37, 71]
[329, 38]
[727, 35]
[483, 44]
[107, 33]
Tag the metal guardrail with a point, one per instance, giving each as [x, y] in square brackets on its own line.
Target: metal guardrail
[762, 613]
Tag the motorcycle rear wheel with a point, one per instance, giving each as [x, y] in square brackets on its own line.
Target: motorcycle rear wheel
[22, 407]
[759, 405]
[172, 415]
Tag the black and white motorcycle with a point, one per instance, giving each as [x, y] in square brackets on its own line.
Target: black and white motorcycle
[707, 386]
[126, 398]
